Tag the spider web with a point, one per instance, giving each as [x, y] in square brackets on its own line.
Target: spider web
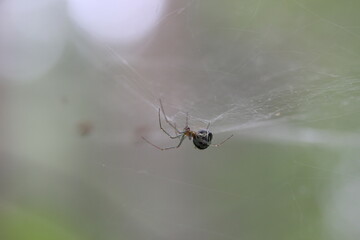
[248, 87]
[253, 70]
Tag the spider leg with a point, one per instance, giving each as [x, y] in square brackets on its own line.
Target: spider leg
[172, 137]
[217, 145]
[167, 120]
[167, 148]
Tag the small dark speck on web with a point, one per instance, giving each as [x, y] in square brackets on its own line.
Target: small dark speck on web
[84, 128]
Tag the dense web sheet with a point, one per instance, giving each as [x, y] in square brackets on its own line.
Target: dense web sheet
[270, 90]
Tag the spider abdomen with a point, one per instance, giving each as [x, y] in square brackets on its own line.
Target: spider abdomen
[202, 139]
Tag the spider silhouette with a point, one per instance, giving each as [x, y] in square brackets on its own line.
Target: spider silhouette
[201, 139]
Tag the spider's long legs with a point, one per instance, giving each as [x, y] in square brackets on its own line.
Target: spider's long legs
[167, 120]
[172, 137]
[217, 145]
[167, 148]
[181, 140]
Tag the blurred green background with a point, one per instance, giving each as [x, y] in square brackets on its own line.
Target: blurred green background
[282, 76]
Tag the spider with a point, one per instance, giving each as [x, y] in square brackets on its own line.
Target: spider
[201, 139]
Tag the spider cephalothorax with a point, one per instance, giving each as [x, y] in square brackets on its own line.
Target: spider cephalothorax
[201, 139]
